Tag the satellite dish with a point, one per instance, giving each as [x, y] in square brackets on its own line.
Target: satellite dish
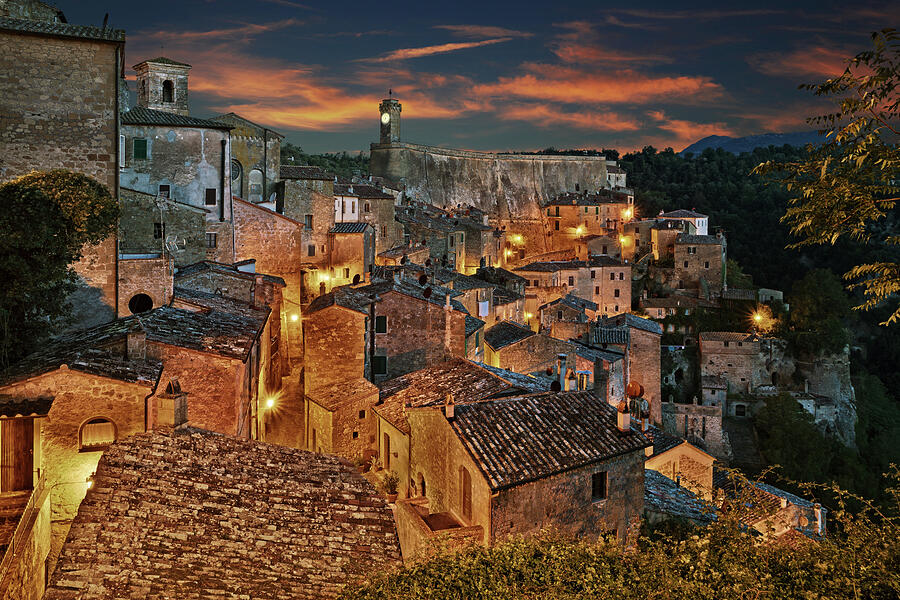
[175, 243]
[634, 389]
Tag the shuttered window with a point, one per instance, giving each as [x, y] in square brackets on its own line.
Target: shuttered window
[97, 434]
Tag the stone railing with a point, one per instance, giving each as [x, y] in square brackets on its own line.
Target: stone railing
[22, 531]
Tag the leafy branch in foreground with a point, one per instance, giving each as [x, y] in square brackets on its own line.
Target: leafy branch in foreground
[848, 185]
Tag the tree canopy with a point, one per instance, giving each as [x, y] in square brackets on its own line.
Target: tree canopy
[847, 186]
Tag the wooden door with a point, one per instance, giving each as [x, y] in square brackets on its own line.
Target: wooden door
[16, 454]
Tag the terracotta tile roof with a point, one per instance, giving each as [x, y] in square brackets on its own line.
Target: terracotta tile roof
[473, 325]
[629, 320]
[614, 169]
[713, 382]
[682, 213]
[594, 354]
[699, 240]
[433, 294]
[11, 406]
[146, 116]
[589, 198]
[467, 381]
[498, 275]
[601, 260]
[504, 296]
[193, 515]
[739, 294]
[520, 380]
[609, 335]
[662, 441]
[352, 227]
[572, 301]
[521, 439]
[225, 269]
[551, 266]
[334, 397]
[305, 172]
[662, 495]
[506, 333]
[238, 119]
[162, 60]
[86, 32]
[224, 331]
[727, 336]
[344, 296]
[89, 351]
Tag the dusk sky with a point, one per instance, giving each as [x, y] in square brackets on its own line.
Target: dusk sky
[500, 76]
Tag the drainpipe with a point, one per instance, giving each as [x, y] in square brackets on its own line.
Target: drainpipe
[265, 164]
[222, 182]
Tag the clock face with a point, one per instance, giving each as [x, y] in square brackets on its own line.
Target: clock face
[385, 118]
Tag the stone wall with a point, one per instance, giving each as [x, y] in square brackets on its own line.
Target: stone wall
[707, 265]
[58, 109]
[26, 576]
[416, 334]
[138, 215]
[534, 353]
[335, 348]
[563, 501]
[301, 200]
[79, 397]
[644, 367]
[689, 466]
[150, 276]
[738, 363]
[350, 257]
[254, 147]
[700, 425]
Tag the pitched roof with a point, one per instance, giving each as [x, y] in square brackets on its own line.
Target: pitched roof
[223, 330]
[727, 336]
[521, 439]
[191, 514]
[350, 227]
[637, 322]
[86, 32]
[602, 260]
[433, 294]
[498, 275]
[609, 335]
[305, 172]
[662, 440]
[687, 238]
[334, 397]
[551, 266]
[662, 495]
[236, 118]
[344, 296]
[506, 333]
[465, 380]
[12, 406]
[682, 213]
[603, 196]
[473, 325]
[224, 269]
[147, 116]
[162, 60]
[361, 190]
[572, 301]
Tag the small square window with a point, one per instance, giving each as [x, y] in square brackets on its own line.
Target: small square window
[726, 344]
[706, 265]
[593, 273]
[622, 276]
[159, 231]
[212, 240]
[612, 276]
[685, 264]
[165, 190]
[140, 149]
[571, 280]
[379, 365]
[362, 414]
[616, 292]
[311, 250]
[355, 435]
[380, 324]
[537, 283]
[598, 486]
[210, 196]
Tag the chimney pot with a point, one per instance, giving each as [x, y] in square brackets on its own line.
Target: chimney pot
[449, 407]
[623, 417]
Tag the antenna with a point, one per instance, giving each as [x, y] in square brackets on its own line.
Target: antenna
[390, 92]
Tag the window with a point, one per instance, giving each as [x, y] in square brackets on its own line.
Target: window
[212, 239]
[537, 283]
[685, 264]
[557, 214]
[616, 292]
[612, 276]
[604, 250]
[210, 196]
[452, 239]
[353, 206]
[346, 272]
[726, 344]
[585, 209]
[622, 276]
[159, 231]
[139, 147]
[121, 151]
[313, 445]
[96, 434]
[362, 414]
[556, 225]
[386, 459]
[706, 265]
[380, 324]
[366, 207]
[140, 303]
[597, 289]
[571, 280]
[559, 315]
[462, 238]
[593, 273]
[322, 248]
[548, 212]
[379, 365]
[465, 492]
[616, 308]
[168, 91]
[165, 190]
[599, 486]
[311, 250]
[355, 435]
[307, 222]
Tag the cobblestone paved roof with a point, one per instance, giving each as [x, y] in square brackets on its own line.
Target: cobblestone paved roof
[359, 227]
[467, 381]
[687, 238]
[147, 116]
[506, 333]
[521, 439]
[87, 32]
[190, 514]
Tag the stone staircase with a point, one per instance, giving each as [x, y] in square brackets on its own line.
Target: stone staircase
[747, 456]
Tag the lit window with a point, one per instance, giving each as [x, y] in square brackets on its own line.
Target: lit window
[599, 486]
[96, 434]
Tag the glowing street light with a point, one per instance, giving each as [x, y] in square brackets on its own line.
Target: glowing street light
[579, 230]
[628, 212]
[270, 403]
[516, 239]
[294, 317]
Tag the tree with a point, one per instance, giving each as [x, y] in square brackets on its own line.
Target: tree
[847, 186]
[818, 308]
[46, 221]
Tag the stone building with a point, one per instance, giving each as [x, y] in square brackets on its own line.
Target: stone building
[154, 224]
[639, 339]
[568, 308]
[351, 254]
[700, 262]
[255, 160]
[145, 282]
[598, 245]
[308, 197]
[571, 216]
[308, 524]
[517, 348]
[698, 220]
[372, 205]
[732, 356]
[464, 380]
[699, 424]
[680, 461]
[610, 281]
[444, 235]
[162, 84]
[185, 159]
[481, 471]
[60, 106]
[640, 236]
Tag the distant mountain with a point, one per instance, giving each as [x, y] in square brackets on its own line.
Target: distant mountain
[736, 145]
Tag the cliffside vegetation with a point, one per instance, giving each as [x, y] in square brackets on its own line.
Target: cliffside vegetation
[342, 164]
[859, 559]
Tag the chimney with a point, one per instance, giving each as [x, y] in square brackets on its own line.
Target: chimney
[449, 407]
[561, 370]
[571, 382]
[136, 345]
[447, 336]
[259, 292]
[171, 409]
[820, 519]
[806, 385]
[623, 417]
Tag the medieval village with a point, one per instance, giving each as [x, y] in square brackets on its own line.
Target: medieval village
[277, 381]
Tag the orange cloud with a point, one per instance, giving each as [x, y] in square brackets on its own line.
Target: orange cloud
[816, 61]
[683, 133]
[407, 53]
[544, 115]
[243, 32]
[577, 53]
[593, 87]
[483, 31]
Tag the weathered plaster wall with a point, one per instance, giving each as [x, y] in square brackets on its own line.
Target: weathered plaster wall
[151, 276]
[138, 215]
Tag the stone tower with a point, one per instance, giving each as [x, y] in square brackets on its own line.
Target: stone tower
[163, 85]
[390, 120]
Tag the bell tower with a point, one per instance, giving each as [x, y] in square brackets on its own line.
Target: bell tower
[163, 85]
[390, 120]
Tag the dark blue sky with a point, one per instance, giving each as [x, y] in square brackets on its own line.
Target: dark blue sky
[501, 75]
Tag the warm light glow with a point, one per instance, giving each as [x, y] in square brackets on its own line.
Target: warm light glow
[324, 277]
[762, 319]
[757, 317]
[270, 403]
[517, 239]
[509, 252]
[528, 315]
[294, 317]
[628, 212]
[579, 230]
[623, 240]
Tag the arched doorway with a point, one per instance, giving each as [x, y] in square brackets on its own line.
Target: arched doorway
[256, 186]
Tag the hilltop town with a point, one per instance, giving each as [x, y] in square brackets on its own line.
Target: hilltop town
[278, 381]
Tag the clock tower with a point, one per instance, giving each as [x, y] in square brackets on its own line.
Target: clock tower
[390, 120]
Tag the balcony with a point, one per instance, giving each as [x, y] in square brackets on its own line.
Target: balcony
[422, 531]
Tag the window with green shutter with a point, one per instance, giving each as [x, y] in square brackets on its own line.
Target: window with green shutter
[140, 149]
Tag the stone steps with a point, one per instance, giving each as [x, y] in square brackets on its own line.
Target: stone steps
[747, 456]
